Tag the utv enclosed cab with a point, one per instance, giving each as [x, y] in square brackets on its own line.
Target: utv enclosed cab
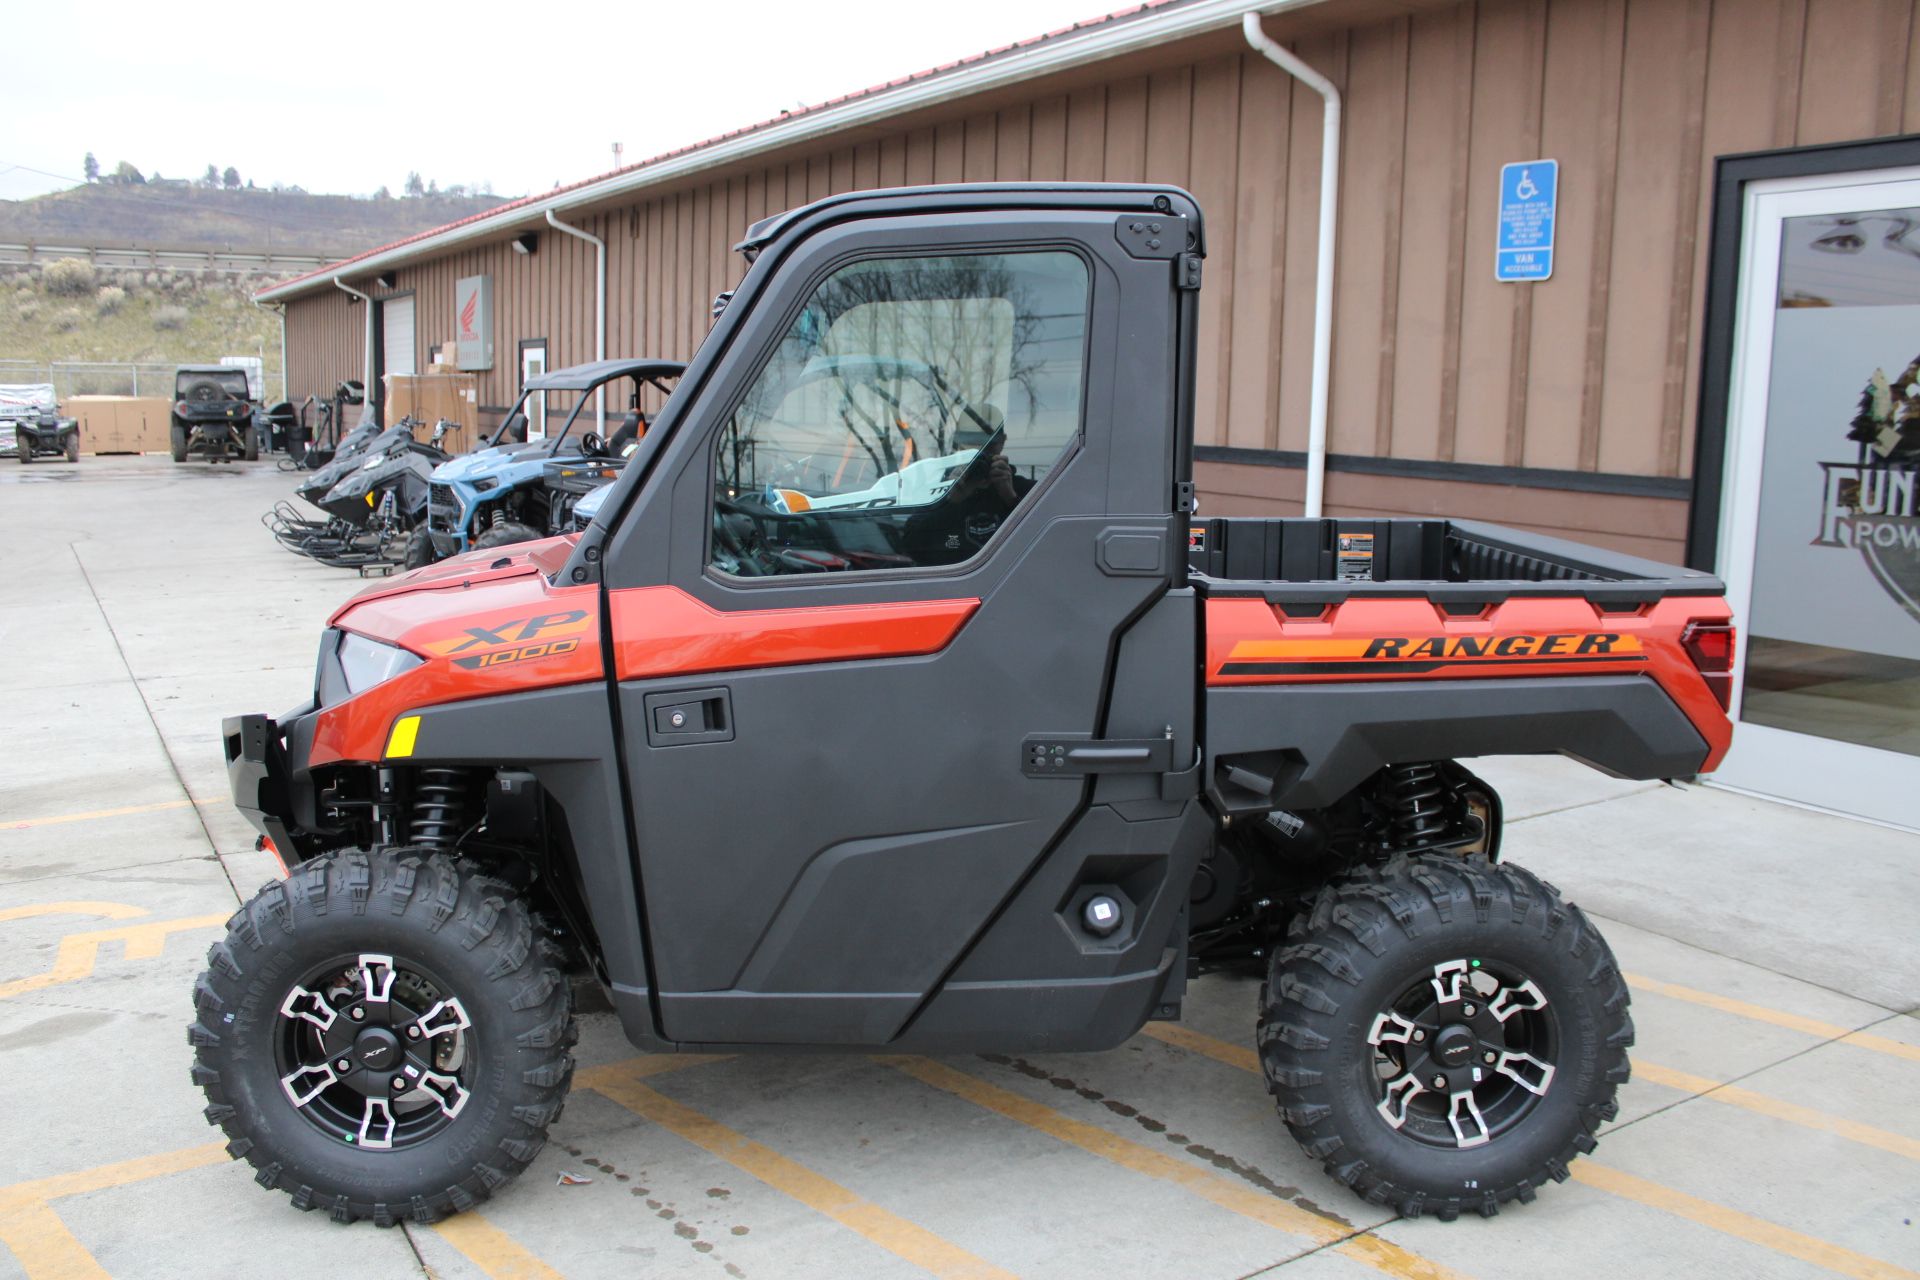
[500, 493]
[213, 410]
[31, 425]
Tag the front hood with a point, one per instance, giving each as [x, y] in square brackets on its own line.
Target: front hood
[455, 576]
[470, 467]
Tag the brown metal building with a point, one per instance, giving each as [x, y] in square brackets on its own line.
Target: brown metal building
[1567, 405]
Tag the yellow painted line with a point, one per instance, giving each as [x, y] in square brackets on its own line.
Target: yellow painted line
[1792, 1113]
[1739, 1225]
[1791, 1021]
[1228, 1194]
[44, 1246]
[906, 1240]
[80, 951]
[112, 910]
[491, 1249]
[1207, 1046]
[42, 1243]
[91, 814]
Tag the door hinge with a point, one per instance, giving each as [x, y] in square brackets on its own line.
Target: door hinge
[1184, 500]
[1186, 271]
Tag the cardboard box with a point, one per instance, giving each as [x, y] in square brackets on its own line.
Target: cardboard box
[429, 397]
[121, 424]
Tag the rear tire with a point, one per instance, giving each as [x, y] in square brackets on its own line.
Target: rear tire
[178, 438]
[338, 966]
[22, 450]
[507, 531]
[73, 447]
[250, 443]
[1387, 1052]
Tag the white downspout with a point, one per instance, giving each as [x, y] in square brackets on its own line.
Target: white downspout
[367, 369]
[599, 312]
[1323, 275]
[279, 309]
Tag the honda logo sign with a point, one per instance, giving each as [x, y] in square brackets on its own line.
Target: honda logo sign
[473, 322]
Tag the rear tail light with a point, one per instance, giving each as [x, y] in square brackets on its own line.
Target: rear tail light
[180, 406]
[1710, 645]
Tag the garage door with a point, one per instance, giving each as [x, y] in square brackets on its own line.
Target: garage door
[396, 326]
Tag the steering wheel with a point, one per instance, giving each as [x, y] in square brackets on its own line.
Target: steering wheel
[592, 445]
[725, 541]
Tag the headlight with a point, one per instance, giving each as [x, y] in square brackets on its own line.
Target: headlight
[358, 664]
[373, 462]
[485, 483]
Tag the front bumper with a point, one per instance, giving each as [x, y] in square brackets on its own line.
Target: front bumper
[266, 771]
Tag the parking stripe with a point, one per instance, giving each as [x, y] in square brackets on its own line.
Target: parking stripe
[491, 1249]
[1712, 1090]
[80, 951]
[44, 1246]
[1760, 1013]
[904, 1239]
[42, 1243]
[112, 910]
[1739, 1225]
[1235, 1197]
[1791, 1112]
[91, 814]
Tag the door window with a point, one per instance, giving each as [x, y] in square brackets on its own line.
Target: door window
[908, 412]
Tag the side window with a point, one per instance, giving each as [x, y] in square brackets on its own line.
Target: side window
[908, 412]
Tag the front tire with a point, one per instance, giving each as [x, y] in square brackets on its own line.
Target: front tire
[250, 444]
[504, 534]
[73, 447]
[22, 450]
[383, 1035]
[1444, 1034]
[420, 552]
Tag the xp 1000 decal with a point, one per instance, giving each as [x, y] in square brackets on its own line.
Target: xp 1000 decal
[1868, 505]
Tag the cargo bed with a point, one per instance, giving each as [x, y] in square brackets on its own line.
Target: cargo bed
[1463, 563]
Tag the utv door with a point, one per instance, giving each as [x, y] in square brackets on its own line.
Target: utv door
[869, 605]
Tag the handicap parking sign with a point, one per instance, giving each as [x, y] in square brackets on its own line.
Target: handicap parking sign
[1528, 191]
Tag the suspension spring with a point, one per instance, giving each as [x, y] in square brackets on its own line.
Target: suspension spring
[439, 807]
[1417, 803]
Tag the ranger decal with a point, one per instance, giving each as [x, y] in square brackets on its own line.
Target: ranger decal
[1413, 655]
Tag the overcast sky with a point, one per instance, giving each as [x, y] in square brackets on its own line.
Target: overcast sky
[350, 96]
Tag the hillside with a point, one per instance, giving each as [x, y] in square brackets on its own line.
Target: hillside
[169, 216]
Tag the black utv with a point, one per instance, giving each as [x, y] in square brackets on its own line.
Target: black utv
[213, 414]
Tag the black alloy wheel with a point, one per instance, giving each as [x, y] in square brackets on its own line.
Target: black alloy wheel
[1444, 1034]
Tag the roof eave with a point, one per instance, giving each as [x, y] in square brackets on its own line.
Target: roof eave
[1059, 54]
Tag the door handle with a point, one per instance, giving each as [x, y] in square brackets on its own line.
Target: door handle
[1070, 755]
[680, 717]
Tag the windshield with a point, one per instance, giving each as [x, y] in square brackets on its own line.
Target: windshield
[226, 384]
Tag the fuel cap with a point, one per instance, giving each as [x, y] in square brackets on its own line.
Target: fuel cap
[1102, 915]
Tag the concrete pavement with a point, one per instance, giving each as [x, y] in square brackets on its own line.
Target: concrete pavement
[1769, 1131]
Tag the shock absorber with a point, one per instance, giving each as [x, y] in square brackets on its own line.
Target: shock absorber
[1416, 799]
[439, 807]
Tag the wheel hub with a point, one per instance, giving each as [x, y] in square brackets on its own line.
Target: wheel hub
[1463, 1054]
[377, 1048]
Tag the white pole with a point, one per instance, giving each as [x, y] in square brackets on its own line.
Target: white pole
[1323, 274]
[599, 313]
[368, 391]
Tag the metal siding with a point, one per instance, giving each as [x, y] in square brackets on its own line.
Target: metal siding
[1434, 360]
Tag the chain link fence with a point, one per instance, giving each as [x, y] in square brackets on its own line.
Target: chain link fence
[108, 377]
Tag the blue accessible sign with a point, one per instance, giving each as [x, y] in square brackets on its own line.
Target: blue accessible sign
[1528, 191]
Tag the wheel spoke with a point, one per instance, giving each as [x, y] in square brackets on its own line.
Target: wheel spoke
[310, 1005]
[1448, 976]
[1526, 1071]
[1390, 1027]
[1520, 999]
[448, 1015]
[303, 1084]
[376, 1125]
[1393, 1107]
[444, 1090]
[1470, 1128]
[376, 974]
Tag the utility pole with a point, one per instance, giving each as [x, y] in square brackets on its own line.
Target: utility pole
[617, 148]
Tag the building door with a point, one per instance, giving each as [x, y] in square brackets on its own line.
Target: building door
[1820, 531]
[396, 335]
[533, 363]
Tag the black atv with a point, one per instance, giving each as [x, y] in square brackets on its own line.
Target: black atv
[31, 418]
[213, 414]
